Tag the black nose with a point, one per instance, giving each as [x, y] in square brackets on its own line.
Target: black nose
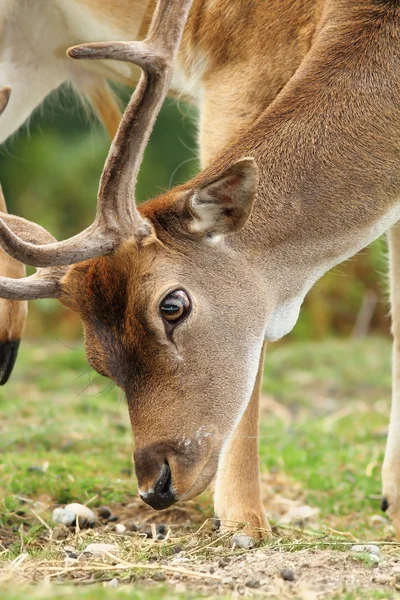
[161, 495]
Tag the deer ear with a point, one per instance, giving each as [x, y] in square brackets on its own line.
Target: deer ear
[222, 205]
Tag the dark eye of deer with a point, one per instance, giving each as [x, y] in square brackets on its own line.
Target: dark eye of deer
[175, 307]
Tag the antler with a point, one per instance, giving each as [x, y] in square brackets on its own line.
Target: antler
[4, 97]
[117, 216]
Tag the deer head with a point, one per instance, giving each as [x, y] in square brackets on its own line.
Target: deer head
[160, 288]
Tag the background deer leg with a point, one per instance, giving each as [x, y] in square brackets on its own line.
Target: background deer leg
[237, 487]
[391, 465]
[12, 313]
[12, 319]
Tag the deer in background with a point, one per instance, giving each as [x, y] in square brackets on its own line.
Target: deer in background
[179, 295]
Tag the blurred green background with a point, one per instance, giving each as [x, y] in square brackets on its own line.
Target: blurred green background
[50, 171]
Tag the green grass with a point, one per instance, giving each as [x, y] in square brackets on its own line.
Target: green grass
[339, 397]
[65, 436]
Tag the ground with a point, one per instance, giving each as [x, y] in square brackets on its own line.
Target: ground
[65, 437]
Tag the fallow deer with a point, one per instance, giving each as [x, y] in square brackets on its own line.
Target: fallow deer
[179, 295]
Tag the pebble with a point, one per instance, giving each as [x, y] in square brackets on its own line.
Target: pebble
[370, 548]
[287, 575]
[243, 541]
[374, 558]
[114, 583]
[120, 528]
[100, 549]
[64, 517]
[112, 518]
[104, 512]
[84, 514]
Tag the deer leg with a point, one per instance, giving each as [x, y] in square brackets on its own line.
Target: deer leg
[391, 464]
[237, 498]
[12, 312]
[12, 319]
[99, 94]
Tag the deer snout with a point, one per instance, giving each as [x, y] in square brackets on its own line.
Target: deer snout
[160, 494]
[172, 471]
[154, 475]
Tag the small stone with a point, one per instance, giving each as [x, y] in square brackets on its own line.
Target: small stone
[253, 582]
[287, 575]
[63, 516]
[100, 549]
[120, 528]
[159, 576]
[243, 541]
[114, 583]
[82, 513]
[112, 519]
[369, 548]
[372, 549]
[374, 558]
[227, 580]
[161, 529]
[222, 563]
[104, 512]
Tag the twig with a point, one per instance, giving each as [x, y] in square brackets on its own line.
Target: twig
[125, 566]
[39, 518]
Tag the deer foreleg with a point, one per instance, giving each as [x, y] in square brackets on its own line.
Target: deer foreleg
[237, 499]
[391, 465]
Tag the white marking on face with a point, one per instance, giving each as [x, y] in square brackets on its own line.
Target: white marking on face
[143, 494]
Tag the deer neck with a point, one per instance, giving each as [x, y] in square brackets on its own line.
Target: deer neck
[327, 150]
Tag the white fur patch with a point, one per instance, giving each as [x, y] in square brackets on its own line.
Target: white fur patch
[284, 317]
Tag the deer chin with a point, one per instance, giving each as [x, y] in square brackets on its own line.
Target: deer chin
[203, 480]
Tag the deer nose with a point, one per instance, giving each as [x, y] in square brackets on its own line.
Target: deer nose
[161, 494]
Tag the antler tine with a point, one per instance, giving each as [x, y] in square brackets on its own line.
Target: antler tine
[117, 216]
[33, 287]
[156, 56]
[4, 97]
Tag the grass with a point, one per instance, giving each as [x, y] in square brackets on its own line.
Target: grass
[65, 436]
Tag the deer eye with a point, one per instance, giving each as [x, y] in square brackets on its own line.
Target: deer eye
[175, 307]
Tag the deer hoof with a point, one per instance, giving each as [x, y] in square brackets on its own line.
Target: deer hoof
[8, 356]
